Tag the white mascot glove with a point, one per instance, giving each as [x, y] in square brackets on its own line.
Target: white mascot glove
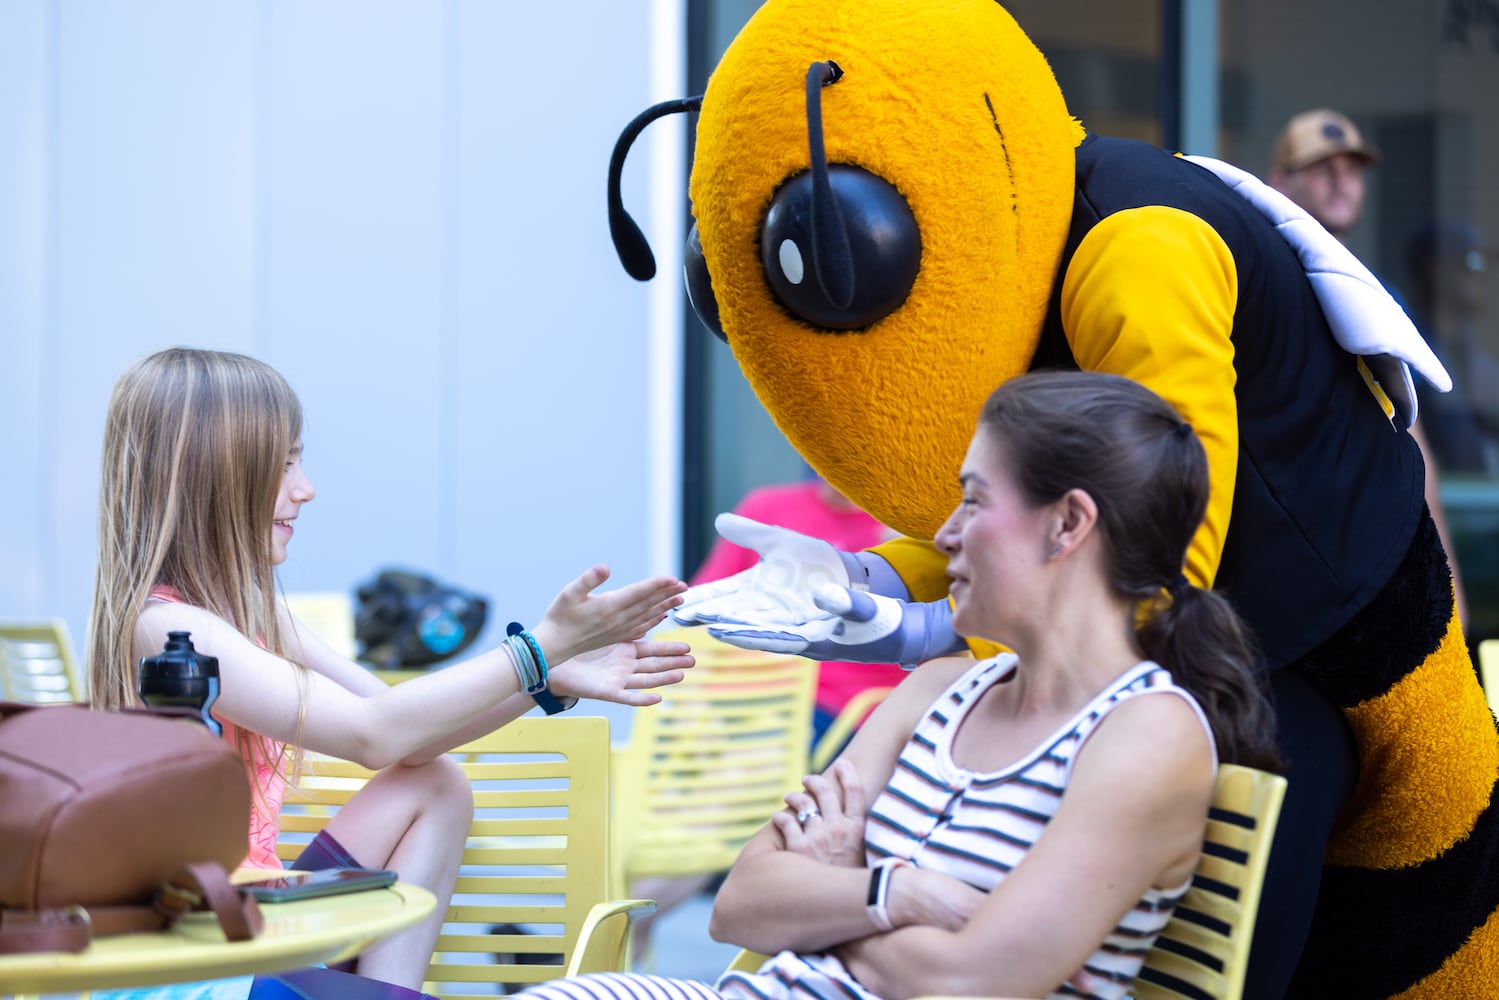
[858, 627]
[775, 591]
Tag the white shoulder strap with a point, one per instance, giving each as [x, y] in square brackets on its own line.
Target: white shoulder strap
[1365, 319]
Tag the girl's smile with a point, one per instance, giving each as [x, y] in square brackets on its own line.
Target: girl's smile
[296, 489]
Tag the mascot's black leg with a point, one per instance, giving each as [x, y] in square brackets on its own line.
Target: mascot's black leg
[1408, 904]
[1322, 768]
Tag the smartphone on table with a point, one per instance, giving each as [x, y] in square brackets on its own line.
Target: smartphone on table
[294, 884]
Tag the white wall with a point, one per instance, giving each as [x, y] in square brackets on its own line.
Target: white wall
[400, 205]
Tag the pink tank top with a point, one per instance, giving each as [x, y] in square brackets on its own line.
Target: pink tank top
[263, 766]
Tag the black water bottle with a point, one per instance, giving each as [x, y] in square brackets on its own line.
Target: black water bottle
[180, 675]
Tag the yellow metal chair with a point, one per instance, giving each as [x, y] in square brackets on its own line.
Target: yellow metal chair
[37, 664]
[536, 864]
[1488, 671]
[329, 614]
[1205, 947]
[842, 727]
[705, 769]
[1204, 950]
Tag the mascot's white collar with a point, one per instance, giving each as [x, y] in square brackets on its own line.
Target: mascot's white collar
[1365, 319]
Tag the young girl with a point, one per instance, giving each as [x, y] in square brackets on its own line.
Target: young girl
[202, 482]
[1040, 813]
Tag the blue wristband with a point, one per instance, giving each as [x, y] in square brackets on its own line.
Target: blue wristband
[551, 704]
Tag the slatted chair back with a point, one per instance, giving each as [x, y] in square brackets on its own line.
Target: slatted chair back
[536, 863]
[703, 770]
[37, 664]
[1204, 950]
[329, 614]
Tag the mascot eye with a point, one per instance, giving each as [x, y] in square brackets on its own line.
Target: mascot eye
[865, 275]
[840, 246]
[700, 286]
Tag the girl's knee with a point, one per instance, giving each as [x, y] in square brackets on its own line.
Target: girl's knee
[439, 785]
[448, 783]
[452, 800]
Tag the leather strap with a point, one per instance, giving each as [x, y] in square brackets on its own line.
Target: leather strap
[66, 929]
[202, 885]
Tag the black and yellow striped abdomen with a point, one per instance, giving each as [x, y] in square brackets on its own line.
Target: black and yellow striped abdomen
[1409, 904]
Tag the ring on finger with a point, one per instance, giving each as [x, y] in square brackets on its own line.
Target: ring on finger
[807, 815]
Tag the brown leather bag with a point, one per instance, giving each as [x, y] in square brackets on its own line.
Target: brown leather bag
[116, 821]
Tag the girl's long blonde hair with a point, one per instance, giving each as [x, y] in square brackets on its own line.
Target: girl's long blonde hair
[195, 446]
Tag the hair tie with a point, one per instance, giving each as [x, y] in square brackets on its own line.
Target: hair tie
[1176, 588]
[1182, 429]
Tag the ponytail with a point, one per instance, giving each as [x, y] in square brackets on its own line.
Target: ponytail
[1196, 635]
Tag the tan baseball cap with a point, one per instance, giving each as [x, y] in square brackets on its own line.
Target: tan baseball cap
[1316, 135]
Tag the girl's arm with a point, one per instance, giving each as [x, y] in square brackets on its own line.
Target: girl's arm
[806, 890]
[620, 673]
[306, 648]
[602, 674]
[377, 726]
[1132, 817]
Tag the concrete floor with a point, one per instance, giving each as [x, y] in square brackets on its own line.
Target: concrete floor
[681, 947]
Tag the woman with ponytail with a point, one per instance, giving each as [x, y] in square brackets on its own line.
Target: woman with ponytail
[1116, 457]
[1039, 814]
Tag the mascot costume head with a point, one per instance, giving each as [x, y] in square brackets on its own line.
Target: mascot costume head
[895, 212]
[869, 273]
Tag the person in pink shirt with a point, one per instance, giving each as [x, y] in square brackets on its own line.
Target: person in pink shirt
[202, 484]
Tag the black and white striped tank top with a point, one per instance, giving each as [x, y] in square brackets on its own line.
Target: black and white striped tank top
[976, 827]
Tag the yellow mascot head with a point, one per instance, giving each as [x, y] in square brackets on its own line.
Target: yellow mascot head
[882, 190]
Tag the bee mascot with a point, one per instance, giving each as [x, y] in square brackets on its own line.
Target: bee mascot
[895, 212]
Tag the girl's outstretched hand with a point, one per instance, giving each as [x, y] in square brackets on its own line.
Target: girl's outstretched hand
[579, 620]
[623, 672]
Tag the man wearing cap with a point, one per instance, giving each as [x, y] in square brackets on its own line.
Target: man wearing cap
[1318, 162]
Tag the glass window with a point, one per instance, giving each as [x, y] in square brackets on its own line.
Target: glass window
[1416, 81]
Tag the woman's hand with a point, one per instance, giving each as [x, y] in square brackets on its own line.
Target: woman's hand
[578, 620]
[622, 673]
[836, 837]
[836, 807]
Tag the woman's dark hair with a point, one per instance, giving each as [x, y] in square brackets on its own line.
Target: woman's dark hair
[1147, 472]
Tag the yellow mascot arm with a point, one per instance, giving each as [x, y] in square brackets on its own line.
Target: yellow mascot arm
[1150, 294]
[921, 567]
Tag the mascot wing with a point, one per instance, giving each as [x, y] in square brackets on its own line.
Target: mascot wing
[1365, 318]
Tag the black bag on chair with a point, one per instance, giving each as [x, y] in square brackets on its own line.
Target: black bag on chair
[405, 620]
